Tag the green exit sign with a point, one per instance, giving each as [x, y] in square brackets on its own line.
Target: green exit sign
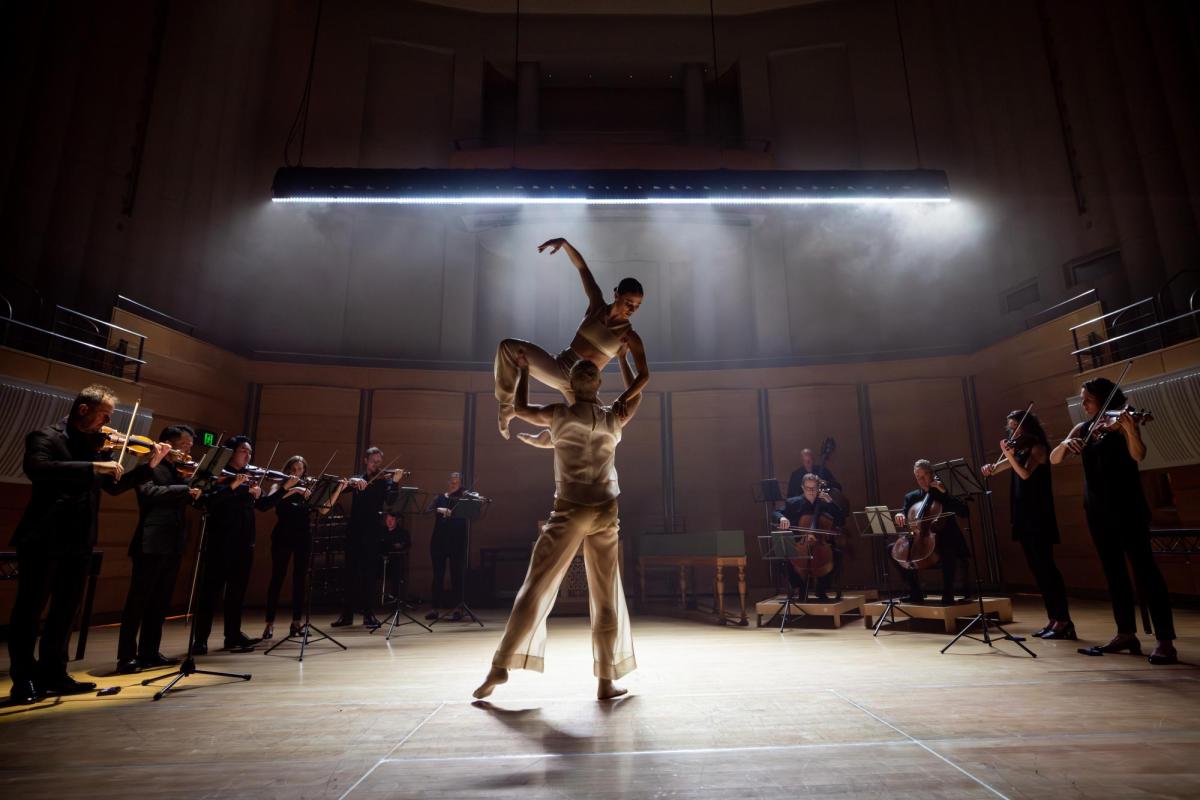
[206, 438]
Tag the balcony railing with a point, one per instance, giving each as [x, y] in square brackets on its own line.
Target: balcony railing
[75, 338]
[1136, 329]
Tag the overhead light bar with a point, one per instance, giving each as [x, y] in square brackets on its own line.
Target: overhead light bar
[515, 187]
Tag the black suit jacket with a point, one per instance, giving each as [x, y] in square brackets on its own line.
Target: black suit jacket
[61, 518]
[162, 506]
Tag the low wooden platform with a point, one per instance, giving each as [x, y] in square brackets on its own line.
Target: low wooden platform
[851, 603]
[999, 607]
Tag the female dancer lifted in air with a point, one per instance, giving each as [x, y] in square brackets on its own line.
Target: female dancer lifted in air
[602, 333]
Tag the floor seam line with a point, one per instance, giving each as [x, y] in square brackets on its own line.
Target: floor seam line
[387, 755]
[919, 743]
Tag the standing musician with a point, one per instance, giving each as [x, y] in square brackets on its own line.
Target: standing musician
[55, 537]
[1026, 452]
[812, 499]
[448, 548]
[156, 550]
[371, 490]
[602, 332]
[951, 545]
[291, 541]
[1118, 517]
[229, 551]
[808, 466]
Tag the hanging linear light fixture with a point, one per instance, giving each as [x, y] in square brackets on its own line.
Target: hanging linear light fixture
[606, 187]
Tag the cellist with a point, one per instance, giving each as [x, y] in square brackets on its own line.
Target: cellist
[951, 545]
[809, 503]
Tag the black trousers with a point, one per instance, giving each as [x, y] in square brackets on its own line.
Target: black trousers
[448, 549]
[146, 605]
[1039, 555]
[58, 580]
[226, 570]
[285, 548]
[362, 568]
[949, 565]
[1114, 543]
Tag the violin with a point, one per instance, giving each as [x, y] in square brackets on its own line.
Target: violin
[1106, 422]
[112, 438]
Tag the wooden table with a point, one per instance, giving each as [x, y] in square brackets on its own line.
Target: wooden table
[719, 563]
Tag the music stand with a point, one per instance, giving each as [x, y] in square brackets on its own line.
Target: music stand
[468, 508]
[319, 501]
[207, 473]
[768, 492]
[776, 548]
[877, 522]
[408, 500]
[960, 480]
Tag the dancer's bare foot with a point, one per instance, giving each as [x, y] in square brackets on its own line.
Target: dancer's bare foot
[607, 690]
[495, 677]
[503, 417]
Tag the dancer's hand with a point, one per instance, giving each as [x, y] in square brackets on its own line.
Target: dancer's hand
[522, 360]
[554, 244]
[620, 408]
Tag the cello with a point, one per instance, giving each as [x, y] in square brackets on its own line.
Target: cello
[813, 554]
[917, 548]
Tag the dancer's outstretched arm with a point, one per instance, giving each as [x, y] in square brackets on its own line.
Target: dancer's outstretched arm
[590, 287]
[634, 383]
[535, 415]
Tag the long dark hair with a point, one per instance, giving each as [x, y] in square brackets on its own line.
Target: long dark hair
[1032, 425]
[1099, 388]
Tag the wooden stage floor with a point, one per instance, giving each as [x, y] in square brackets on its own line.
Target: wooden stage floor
[712, 713]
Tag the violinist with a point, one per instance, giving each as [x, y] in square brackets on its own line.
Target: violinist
[808, 466]
[372, 489]
[951, 545]
[156, 551]
[290, 540]
[1026, 452]
[448, 548]
[229, 551]
[68, 468]
[809, 503]
[1118, 516]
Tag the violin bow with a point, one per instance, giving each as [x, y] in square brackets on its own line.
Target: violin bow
[385, 469]
[129, 431]
[1020, 422]
[1116, 388]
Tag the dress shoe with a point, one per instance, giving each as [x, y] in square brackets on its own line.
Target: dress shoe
[343, 621]
[1131, 644]
[128, 666]
[241, 643]
[65, 685]
[1040, 632]
[369, 621]
[1065, 632]
[23, 693]
[1167, 657]
[297, 628]
[157, 661]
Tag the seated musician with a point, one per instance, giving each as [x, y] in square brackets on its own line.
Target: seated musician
[808, 466]
[804, 504]
[951, 545]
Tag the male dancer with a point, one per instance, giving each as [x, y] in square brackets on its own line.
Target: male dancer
[585, 437]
